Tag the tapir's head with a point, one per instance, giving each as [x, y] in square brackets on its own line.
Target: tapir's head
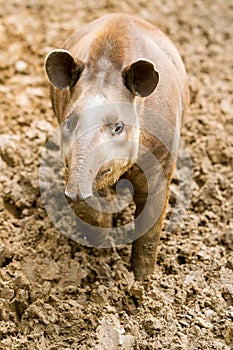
[100, 126]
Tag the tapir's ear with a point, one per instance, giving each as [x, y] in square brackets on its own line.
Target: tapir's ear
[62, 69]
[140, 77]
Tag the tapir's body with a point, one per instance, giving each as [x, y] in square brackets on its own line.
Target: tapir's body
[125, 83]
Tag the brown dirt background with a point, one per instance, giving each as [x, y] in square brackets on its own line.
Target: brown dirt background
[56, 294]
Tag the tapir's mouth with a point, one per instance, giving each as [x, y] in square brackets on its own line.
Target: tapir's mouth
[103, 173]
[102, 177]
[110, 174]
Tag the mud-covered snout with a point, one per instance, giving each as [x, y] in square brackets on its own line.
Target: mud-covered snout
[97, 167]
[73, 189]
[78, 183]
[81, 187]
[85, 180]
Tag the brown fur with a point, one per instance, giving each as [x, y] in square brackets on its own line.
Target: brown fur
[110, 43]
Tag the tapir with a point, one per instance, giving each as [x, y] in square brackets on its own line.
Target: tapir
[119, 91]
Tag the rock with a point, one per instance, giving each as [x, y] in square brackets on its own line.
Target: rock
[226, 106]
[5, 255]
[21, 66]
[112, 336]
[152, 325]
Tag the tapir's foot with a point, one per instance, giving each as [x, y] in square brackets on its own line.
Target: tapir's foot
[144, 251]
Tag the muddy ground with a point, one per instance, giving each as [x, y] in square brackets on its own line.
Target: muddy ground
[56, 294]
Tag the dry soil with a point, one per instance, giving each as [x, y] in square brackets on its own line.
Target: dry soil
[57, 294]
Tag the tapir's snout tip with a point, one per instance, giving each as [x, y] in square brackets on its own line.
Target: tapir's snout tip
[71, 195]
[75, 197]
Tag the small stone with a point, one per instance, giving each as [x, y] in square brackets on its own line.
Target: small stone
[36, 91]
[22, 100]
[75, 304]
[44, 126]
[226, 106]
[5, 254]
[21, 66]
[203, 323]
[227, 293]
[152, 324]
[6, 292]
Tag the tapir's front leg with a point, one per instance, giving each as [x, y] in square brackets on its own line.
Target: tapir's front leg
[150, 213]
[144, 249]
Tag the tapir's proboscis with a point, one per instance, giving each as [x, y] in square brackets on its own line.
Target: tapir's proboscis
[119, 91]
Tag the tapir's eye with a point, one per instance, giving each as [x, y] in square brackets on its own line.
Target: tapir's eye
[68, 125]
[118, 128]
